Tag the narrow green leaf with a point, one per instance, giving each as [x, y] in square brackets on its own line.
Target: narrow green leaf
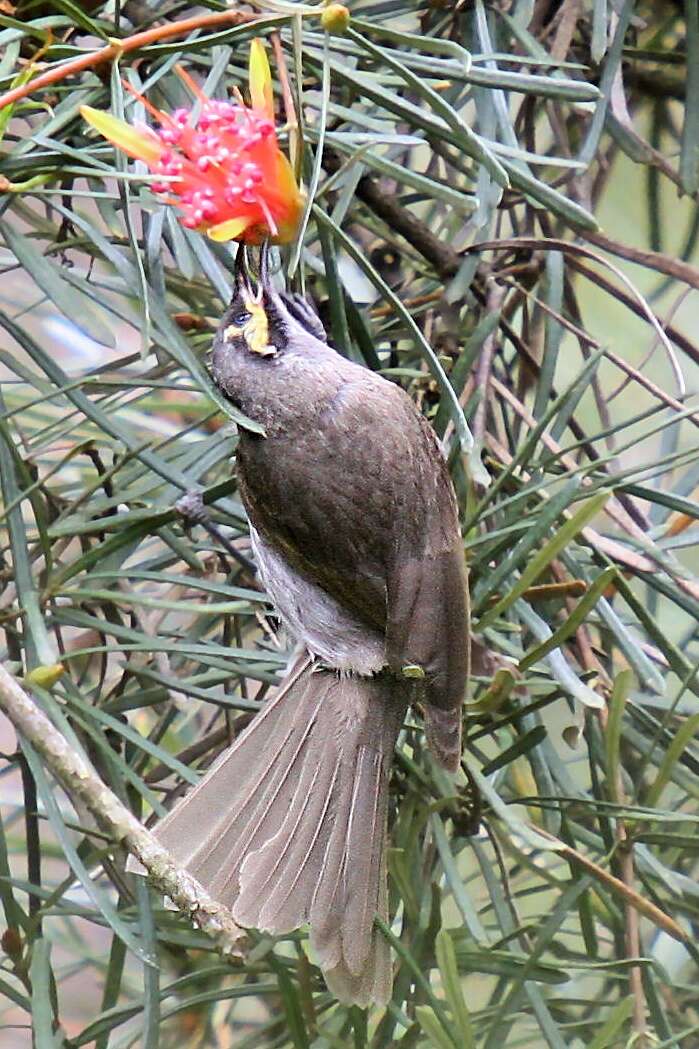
[518, 827]
[648, 675]
[296, 1025]
[684, 736]
[47, 277]
[429, 354]
[611, 65]
[613, 1025]
[520, 747]
[455, 882]
[98, 896]
[689, 150]
[520, 555]
[13, 995]
[598, 44]
[125, 730]
[565, 534]
[151, 973]
[15, 918]
[317, 161]
[432, 1028]
[622, 686]
[42, 1010]
[451, 981]
[476, 147]
[41, 650]
[574, 620]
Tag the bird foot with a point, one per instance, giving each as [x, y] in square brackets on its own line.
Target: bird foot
[191, 507]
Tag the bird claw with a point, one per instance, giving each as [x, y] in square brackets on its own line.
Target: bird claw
[191, 507]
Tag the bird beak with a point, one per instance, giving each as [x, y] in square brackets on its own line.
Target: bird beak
[265, 285]
[248, 285]
[242, 279]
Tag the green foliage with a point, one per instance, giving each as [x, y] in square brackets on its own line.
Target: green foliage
[547, 897]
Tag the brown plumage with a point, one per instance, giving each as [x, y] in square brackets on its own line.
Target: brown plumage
[355, 530]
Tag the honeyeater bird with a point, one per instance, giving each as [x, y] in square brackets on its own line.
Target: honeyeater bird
[355, 531]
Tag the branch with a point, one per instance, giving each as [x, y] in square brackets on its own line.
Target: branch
[81, 782]
[442, 256]
[655, 260]
[629, 895]
[116, 48]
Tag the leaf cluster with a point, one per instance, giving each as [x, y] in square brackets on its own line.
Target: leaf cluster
[502, 218]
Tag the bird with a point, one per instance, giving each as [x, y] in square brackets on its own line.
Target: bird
[355, 530]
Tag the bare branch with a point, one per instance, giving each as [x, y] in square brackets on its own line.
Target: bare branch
[82, 783]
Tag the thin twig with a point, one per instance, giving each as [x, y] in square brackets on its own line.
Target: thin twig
[655, 260]
[555, 244]
[616, 885]
[494, 299]
[443, 257]
[116, 48]
[82, 783]
[680, 340]
[632, 931]
[283, 74]
[31, 824]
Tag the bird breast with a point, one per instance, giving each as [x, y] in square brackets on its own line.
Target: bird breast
[314, 619]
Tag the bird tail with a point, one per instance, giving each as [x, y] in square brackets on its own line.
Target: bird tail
[288, 826]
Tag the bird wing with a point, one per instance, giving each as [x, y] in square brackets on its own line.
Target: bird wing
[359, 500]
[427, 623]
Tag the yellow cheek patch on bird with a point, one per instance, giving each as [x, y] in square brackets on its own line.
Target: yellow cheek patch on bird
[255, 331]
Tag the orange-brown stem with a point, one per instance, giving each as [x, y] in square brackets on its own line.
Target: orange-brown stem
[120, 47]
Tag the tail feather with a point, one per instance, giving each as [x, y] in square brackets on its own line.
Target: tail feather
[327, 904]
[443, 734]
[288, 827]
[365, 844]
[374, 983]
[204, 830]
[263, 811]
[275, 878]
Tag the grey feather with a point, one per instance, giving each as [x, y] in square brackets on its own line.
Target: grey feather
[288, 827]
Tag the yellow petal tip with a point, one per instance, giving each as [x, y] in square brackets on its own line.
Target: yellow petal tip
[260, 76]
[228, 230]
[142, 145]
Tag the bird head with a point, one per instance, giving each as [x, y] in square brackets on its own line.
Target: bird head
[261, 320]
[263, 331]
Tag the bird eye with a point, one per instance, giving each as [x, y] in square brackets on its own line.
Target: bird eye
[240, 317]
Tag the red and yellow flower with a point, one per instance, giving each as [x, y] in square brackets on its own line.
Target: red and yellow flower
[225, 171]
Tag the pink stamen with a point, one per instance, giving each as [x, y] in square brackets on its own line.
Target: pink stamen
[223, 167]
[269, 219]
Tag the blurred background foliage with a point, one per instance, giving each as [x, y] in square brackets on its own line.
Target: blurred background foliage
[502, 205]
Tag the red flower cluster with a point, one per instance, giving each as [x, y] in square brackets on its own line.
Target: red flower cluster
[225, 172]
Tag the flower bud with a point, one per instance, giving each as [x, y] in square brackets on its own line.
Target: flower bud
[45, 676]
[11, 942]
[335, 18]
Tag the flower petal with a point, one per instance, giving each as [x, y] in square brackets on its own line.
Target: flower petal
[285, 179]
[142, 145]
[260, 79]
[230, 229]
